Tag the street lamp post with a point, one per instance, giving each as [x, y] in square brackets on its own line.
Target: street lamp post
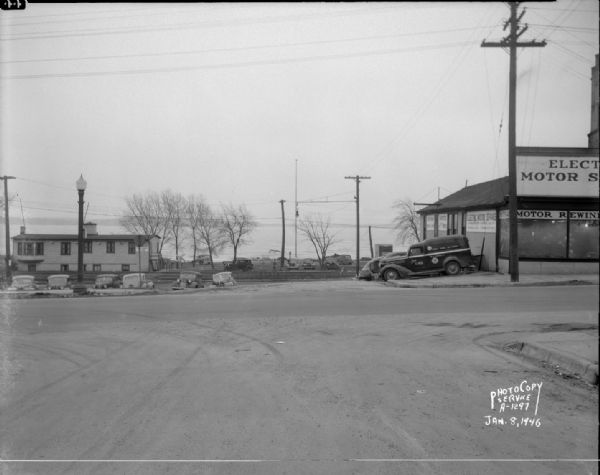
[140, 242]
[79, 287]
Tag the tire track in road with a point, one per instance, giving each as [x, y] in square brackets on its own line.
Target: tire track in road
[113, 442]
[38, 393]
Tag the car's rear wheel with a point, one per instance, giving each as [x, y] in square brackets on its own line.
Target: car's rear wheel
[391, 274]
[452, 268]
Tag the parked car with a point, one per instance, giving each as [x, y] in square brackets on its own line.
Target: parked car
[293, 265]
[241, 263]
[59, 281]
[444, 254]
[136, 281]
[370, 271]
[23, 282]
[308, 264]
[342, 259]
[332, 265]
[107, 281]
[187, 280]
[202, 260]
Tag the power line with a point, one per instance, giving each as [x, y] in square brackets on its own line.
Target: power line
[230, 49]
[235, 65]
[181, 26]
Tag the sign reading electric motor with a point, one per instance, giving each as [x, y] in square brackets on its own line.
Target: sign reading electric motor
[554, 176]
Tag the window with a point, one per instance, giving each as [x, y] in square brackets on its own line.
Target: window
[87, 247]
[84, 267]
[65, 248]
[64, 267]
[97, 267]
[20, 248]
[28, 249]
[583, 239]
[125, 267]
[31, 267]
[131, 247]
[415, 251]
[542, 238]
[110, 247]
[39, 248]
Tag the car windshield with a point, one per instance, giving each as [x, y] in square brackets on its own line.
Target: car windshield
[187, 276]
[415, 251]
[104, 278]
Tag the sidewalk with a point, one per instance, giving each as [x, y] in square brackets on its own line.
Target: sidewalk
[573, 352]
[494, 279]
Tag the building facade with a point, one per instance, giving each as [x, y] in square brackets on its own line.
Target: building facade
[111, 253]
[557, 209]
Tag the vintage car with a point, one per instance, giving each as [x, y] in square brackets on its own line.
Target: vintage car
[59, 281]
[309, 264]
[187, 280]
[370, 271]
[241, 263]
[444, 254]
[107, 281]
[136, 281]
[23, 282]
[342, 259]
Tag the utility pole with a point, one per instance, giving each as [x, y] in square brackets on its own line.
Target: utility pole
[296, 213]
[357, 178]
[282, 234]
[511, 42]
[370, 242]
[7, 258]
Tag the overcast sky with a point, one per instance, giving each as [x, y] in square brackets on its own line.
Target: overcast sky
[224, 100]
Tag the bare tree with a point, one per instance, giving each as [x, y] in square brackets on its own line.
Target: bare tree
[205, 227]
[145, 215]
[316, 230]
[174, 205]
[406, 221]
[237, 224]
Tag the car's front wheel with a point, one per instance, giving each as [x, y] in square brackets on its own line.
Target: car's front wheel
[391, 274]
[452, 268]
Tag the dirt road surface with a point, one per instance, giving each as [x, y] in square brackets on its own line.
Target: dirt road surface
[292, 378]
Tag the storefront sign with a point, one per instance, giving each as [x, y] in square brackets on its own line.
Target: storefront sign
[552, 214]
[481, 221]
[557, 176]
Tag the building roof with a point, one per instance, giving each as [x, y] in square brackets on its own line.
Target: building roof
[491, 193]
[74, 237]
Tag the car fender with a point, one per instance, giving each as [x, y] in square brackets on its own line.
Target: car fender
[403, 271]
[451, 259]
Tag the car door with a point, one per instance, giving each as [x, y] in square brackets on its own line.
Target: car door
[416, 260]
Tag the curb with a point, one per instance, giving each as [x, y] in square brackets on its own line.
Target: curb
[501, 284]
[580, 367]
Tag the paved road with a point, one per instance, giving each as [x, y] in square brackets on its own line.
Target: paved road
[297, 378]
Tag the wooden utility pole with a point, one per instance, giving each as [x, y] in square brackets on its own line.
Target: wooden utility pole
[357, 178]
[370, 242]
[7, 258]
[511, 42]
[282, 260]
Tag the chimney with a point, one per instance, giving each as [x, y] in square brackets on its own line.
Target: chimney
[593, 135]
[89, 229]
[22, 229]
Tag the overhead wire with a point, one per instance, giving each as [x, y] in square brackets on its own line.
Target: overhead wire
[444, 79]
[232, 49]
[240, 64]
